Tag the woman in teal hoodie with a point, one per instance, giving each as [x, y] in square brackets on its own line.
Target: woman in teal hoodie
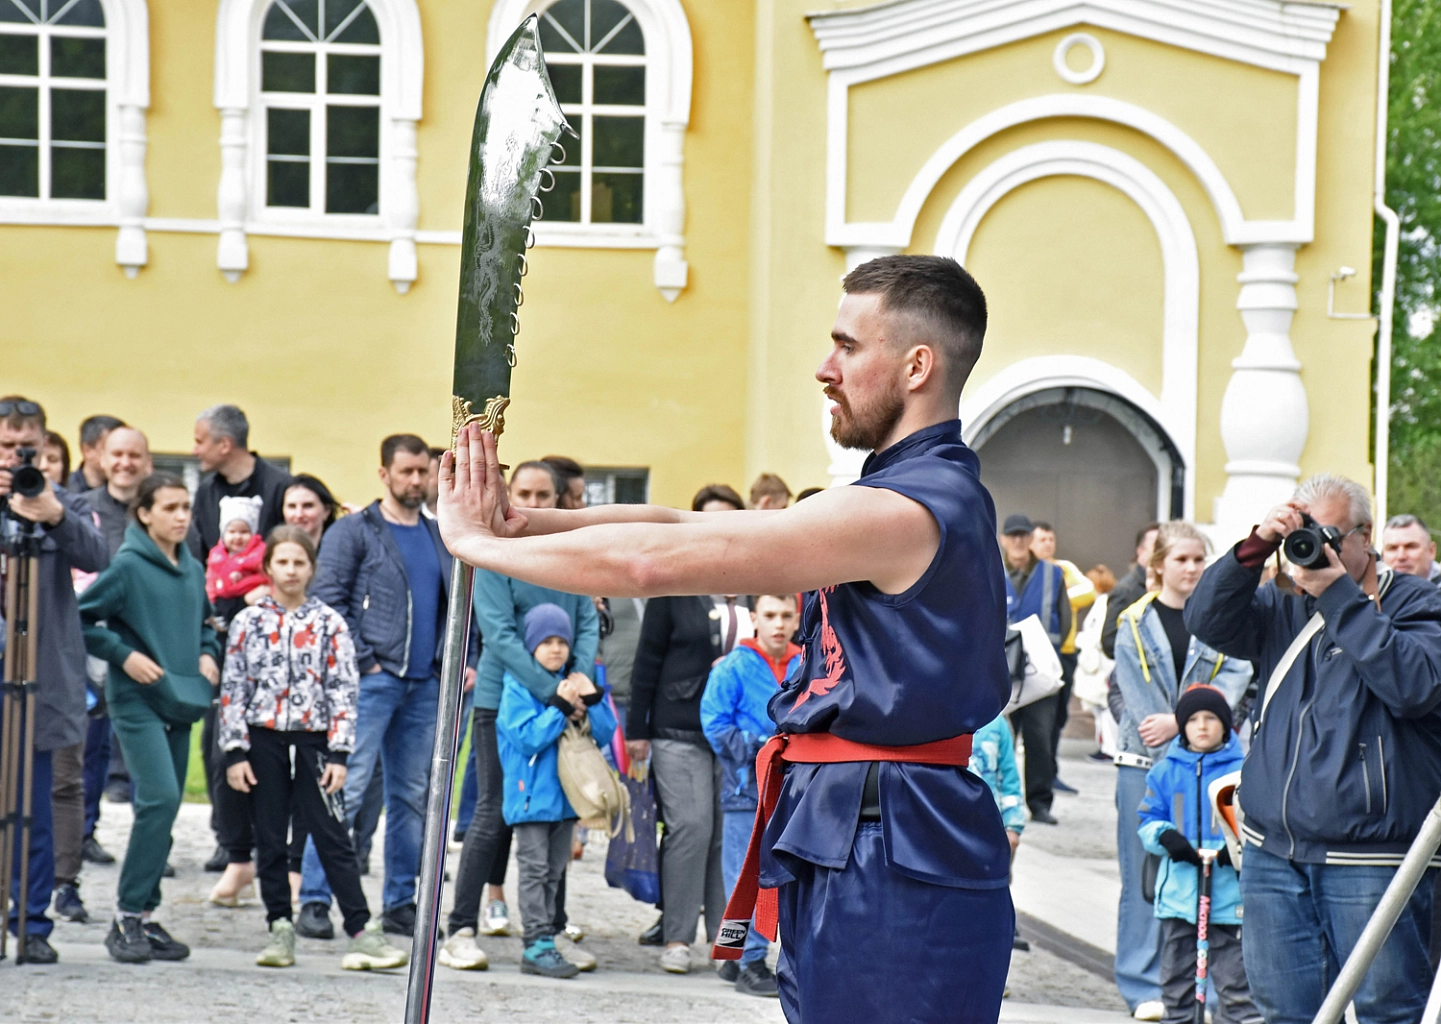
[148, 617]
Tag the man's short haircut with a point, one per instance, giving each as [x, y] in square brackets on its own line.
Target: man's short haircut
[565, 468]
[768, 485]
[944, 303]
[93, 428]
[544, 466]
[227, 421]
[1404, 520]
[1141, 533]
[408, 443]
[16, 420]
[1039, 525]
[1334, 487]
[716, 492]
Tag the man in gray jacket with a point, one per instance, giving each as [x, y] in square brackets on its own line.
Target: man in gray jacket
[1345, 759]
[387, 572]
[68, 540]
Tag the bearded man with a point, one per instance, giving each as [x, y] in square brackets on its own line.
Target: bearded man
[889, 858]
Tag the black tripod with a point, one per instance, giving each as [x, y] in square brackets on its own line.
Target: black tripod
[19, 562]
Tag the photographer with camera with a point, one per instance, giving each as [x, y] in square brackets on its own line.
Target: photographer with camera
[35, 513]
[1345, 757]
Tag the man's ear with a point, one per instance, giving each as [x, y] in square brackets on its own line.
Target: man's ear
[921, 366]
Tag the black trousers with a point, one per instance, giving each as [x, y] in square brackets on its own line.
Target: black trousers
[229, 813]
[1036, 722]
[281, 791]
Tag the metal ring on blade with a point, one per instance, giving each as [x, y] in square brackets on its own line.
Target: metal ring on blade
[510, 355]
[554, 146]
[519, 296]
[547, 173]
[529, 237]
[537, 208]
[524, 263]
[514, 328]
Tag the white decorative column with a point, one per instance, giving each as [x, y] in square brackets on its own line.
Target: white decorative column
[1264, 414]
[133, 199]
[402, 205]
[233, 254]
[667, 191]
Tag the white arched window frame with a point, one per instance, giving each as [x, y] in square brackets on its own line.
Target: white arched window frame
[127, 97]
[241, 198]
[669, 67]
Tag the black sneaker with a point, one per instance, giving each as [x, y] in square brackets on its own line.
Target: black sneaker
[38, 951]
[162, 946]
[1043, 815]
[1019, 944]
[399, 920]
[655, 934]
[92, 852]
[218, 861]
[314, 922]
[729, 971]
[68, 905]
[117, 791]
[169, 871]
[756, 979]
[127, 941]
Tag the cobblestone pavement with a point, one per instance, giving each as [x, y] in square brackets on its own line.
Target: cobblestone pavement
[220, 984]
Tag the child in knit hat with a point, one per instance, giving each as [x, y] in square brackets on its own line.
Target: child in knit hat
[528, 728]
[1176, 821]
[234, 576]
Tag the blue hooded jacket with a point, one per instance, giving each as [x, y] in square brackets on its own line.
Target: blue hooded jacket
[993, 758]
[734, 718]
[1177, 796]
[528, 735]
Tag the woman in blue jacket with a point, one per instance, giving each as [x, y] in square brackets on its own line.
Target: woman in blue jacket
[1157, 659]
[528, 736]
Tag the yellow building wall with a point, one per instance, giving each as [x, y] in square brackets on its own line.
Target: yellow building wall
[323, 354]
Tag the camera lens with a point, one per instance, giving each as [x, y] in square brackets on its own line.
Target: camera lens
[27, 481]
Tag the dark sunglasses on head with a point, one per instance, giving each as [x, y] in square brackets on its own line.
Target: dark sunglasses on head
[19, 408]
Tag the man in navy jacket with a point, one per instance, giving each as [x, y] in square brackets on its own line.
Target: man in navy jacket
[1346, 756]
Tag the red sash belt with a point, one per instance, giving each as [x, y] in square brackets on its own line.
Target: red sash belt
[749, 898]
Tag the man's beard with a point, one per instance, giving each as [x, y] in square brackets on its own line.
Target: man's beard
[409, 499]
[866, 427]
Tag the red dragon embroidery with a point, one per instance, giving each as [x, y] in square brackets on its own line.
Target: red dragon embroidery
[831, 651]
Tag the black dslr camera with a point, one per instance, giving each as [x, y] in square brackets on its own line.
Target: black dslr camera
[26, 480]
[1306, 547]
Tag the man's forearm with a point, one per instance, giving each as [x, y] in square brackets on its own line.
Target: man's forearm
[545, 521]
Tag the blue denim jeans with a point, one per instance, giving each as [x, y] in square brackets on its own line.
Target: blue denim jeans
[1302, 921]
[395, 722]
[735, 839]
[97, 766]
[1138, 933]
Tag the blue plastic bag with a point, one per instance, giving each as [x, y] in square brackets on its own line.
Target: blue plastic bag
[635, 866]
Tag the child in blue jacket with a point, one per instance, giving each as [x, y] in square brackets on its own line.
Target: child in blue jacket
[528, 736]
[993, 758]
[1176, 820]
[736, 723]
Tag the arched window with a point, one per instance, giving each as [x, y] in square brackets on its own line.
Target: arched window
[595, 52]
[320, 91]
[53, 111]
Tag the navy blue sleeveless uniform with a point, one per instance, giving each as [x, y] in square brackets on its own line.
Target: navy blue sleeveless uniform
[908, 918]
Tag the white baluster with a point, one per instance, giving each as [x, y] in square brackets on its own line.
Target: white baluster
[133, 198]
[1264, 413]
[402, 205]
[667, 192]
[233, 254]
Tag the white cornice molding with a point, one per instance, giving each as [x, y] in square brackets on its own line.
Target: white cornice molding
[872, 42]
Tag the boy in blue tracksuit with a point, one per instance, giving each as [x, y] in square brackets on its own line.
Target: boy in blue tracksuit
[528, 737]
[1176, 820]
[734, 718]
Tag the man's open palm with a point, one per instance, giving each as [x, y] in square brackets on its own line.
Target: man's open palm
[473, 498]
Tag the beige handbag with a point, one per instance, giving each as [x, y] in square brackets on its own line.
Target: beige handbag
[594, 791]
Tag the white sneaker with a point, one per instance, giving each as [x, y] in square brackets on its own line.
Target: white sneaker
[574, 932]
[676, 960]
[568, 949]
[495, 920]
[460, 952]
[1151, 1009]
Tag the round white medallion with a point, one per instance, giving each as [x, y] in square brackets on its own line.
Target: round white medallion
[1087, 75]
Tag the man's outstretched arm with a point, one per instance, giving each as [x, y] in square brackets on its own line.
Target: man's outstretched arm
[842, 535]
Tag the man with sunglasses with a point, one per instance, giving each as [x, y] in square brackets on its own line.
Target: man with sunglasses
[1345, 757]
[68, 540]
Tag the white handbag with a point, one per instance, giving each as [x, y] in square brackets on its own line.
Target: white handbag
[1043, 665]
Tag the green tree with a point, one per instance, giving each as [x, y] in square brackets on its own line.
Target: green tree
[1413, 190]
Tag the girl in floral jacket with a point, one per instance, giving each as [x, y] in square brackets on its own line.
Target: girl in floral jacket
[290, 686]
